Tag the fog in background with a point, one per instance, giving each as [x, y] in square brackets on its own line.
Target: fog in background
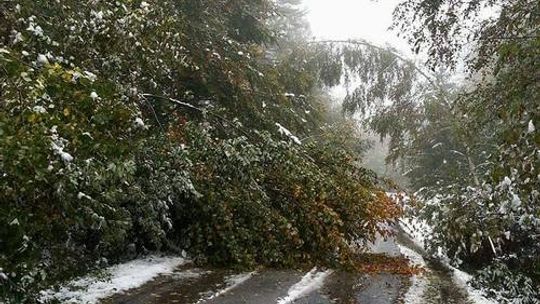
[360, 19]
[355, 19]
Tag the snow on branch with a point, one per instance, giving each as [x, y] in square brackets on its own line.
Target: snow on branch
[284, 131]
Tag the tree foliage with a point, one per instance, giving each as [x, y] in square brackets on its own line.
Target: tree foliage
[136, 126]
[473, 148]
[470, 147]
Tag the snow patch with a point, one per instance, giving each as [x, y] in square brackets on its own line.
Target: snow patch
[531, 128]
[382, 245]
[416, 229]
[284, 131]
[94, 96]
[123, 277]
[58, 145]
[419, 282]
[59, 150]
[139, 123]
[413, 256]
[42, 59]
[81, 195]
[232, 282]
[39, 110]
[145, 5]
[90, 76]
[462, 279]
[415, 293]
[312, 281]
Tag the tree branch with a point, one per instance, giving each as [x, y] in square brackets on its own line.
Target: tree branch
[190, 106]
[395, 54]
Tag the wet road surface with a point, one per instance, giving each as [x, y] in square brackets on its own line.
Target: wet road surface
[440, 288]
[190, 285]
[268, 286]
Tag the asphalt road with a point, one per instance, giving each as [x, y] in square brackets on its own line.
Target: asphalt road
[215, 286]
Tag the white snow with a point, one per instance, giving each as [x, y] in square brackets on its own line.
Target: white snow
[531, 128]
[415, 293]
[90, 289]
[145, 5]
[506, 182]
[90, 76]
[139, 123]
[39, 109]
[418, 230]
[457, 152]
[312, 281]
[14, 222]
[97, 15]
[66, 157]
[81, 195]
[282, 130]
[415, 258]
[42, 59]
[88, 134]
[382, 245]
[232, 282]
[17, 37]
[94, 96]
[59, 150]
[35, 29]
[418, 282]
[462, 279]
[516, 201]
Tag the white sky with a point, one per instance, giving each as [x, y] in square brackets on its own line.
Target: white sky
[350, 19]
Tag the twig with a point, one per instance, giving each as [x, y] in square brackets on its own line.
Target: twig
[190, 106]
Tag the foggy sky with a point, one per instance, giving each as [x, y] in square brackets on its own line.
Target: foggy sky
[350, 19]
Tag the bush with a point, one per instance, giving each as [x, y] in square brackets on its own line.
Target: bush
[66, 164]
[506, 285]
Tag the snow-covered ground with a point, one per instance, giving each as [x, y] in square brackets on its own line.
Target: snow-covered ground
[462, 279]
[418, 231]
[387, 246]
[419, 281]
[119, 278]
